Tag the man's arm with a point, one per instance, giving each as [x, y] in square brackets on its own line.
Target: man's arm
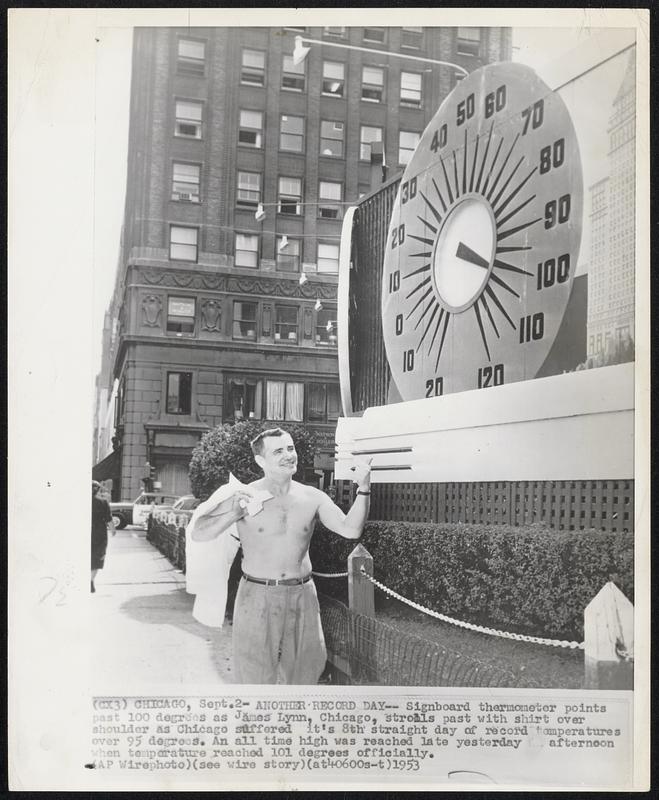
[215, 515]
[349, 525]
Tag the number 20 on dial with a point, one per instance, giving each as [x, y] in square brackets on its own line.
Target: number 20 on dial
[484, 237]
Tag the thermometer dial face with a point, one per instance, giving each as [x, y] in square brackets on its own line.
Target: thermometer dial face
[484, 237]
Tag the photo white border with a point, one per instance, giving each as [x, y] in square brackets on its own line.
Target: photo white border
[51, 234]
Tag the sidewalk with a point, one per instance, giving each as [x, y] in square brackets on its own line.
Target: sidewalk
[143, 631]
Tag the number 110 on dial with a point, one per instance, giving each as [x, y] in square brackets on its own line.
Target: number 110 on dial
[484, 238]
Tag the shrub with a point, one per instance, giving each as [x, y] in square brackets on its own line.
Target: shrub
[529, 580]
[226, 449]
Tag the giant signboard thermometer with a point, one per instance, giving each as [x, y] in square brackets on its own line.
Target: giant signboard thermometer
[484, 238]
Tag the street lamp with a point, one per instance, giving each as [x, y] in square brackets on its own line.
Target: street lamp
[300, 53]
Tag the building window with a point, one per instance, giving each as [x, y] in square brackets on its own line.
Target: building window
[185, 182]
[323, 402]
[331, 138]
[291, 133]
[120, 404]
[335, 30]
[410, 89]
[407, 143]
[290, 196]
[179, 392]
[286, 323]
[334, 78]
[253, 68]
[244, 320]
[368, 134]
[326, 327]
[250, 132]
[372, 84]
[375, 35]
[180, 314]
[284, 401]
[248, 194]
[246, 250]
[292, 77]
[330, 195]
[328, 258]
[191, 58]
[245, 398]
[183, 243]
[288, 255]
[468, 41]
[411, 38]
[188, 119]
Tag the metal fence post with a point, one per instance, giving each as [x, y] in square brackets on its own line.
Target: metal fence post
[609, 640]
[360, 590]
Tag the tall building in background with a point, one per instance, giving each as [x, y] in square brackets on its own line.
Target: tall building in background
[240, 165]
[612, 258]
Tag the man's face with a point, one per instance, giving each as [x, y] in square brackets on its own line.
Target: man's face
[279, 457]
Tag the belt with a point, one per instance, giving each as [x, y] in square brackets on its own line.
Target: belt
[277, 581]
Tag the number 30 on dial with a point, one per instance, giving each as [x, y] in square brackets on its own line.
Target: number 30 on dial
[484, 237]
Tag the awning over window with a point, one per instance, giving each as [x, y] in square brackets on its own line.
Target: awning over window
[107, 468]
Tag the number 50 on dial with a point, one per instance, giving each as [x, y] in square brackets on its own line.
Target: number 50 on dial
[484, 237]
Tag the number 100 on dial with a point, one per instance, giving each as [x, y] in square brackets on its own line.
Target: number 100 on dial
[484, 237]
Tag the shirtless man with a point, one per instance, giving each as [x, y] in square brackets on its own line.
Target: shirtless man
[277, 635]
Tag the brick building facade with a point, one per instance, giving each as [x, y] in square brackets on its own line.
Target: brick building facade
[240, 164]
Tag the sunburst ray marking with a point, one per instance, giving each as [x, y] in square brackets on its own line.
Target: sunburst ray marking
[505, 234]
[418, 302]
[514, 192]
[417, 287]
[489, 314]
[491, 293]
[480, 326]
[441, 344]
[473, 164]
[508, 217]
[487, 150]
[503, 167]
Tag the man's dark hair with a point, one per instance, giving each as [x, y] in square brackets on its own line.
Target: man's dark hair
[257, 442]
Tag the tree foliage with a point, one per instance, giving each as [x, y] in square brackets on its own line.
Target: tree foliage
[226, 449]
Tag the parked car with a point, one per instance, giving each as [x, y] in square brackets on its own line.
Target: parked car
[186, 503]
[137, 511]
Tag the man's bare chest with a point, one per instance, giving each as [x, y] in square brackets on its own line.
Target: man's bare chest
[282, 516]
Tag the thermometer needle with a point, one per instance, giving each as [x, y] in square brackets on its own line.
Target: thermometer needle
[467, 254]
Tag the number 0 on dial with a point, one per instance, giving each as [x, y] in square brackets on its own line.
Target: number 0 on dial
[484, 237]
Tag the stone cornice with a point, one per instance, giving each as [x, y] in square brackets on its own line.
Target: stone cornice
[257, 285]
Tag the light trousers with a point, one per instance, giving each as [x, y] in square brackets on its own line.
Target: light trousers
[277, 635]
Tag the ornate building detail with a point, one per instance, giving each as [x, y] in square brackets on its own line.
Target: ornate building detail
[151, 308]
[211, 315]
[246, 285]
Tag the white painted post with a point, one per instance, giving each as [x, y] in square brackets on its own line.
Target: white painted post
[609, 640]
[360, 590]
[361, 599]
